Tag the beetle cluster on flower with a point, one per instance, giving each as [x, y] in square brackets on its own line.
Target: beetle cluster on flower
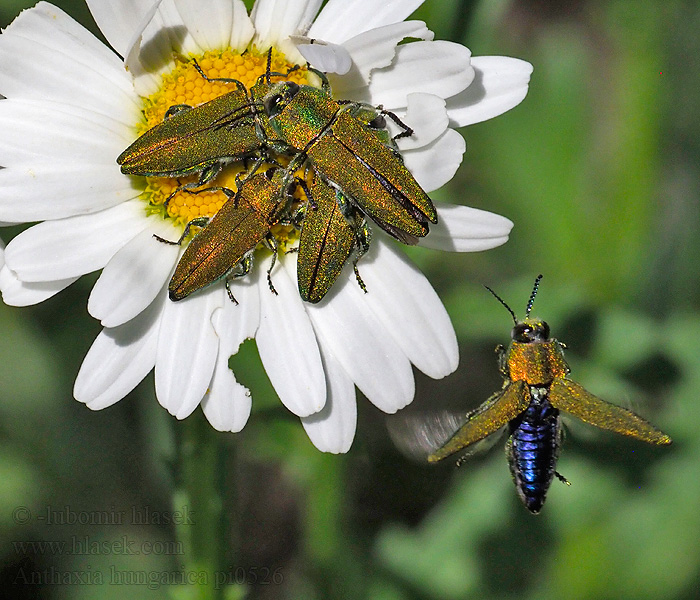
[343, 150]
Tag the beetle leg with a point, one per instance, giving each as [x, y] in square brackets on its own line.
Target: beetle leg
[241, 268]
[295, 219]
[277, 145]
[209, 173]
[198, 222]
[407, 131]
[378, 122]
[461, 460]
[307, 193]
[362, 232]
[363, 237]
[325, 84]
[235, 82]
[501, 358]
[241, 179]
[174, 109]
[229, 293]
[289, 177]
[229, 193]
[271, 243]
[561, 478]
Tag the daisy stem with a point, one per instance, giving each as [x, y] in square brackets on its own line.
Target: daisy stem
[199, 491]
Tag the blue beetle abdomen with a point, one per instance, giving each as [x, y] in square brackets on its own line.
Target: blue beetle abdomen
[533, 449]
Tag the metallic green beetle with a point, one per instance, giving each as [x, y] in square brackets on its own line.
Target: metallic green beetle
[345, 153]
[224, 247]
[331, 229]
[333, 226]
[195, 140]
[204, 138]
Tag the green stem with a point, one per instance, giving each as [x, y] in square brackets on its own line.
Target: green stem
[199, 491]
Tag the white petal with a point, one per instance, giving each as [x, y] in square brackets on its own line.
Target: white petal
[118, 20]
[276, 20]
[119, 359]
[235, 323]
[159, 44]
[435, 164]
[408, 307]
[427, 116]
[340, 20]
[74, 246]
[2, 255]
[227, 405]
[150, 50]
[367, 352]
[500, 83]
[135, 275]
[54, 57]
[441, 68]
[373, 50]
[20, 293]
[465, 229]
[210, 28]
[57, 131]
[58, 190]
[325, 56]
[187, 350]
[242, 28]
[286, 342]
[333, 428]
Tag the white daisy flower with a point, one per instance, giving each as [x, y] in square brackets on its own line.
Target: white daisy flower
[72, 106]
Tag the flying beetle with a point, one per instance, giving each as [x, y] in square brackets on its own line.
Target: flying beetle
[536, 388]
[225, 245]
[349, 156]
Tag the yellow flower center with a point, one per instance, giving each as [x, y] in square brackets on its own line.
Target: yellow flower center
[185, 85]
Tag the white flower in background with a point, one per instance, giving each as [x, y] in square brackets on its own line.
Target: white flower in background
[72, 106]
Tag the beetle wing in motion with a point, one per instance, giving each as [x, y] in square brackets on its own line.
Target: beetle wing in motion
[417, 434]
[572, 398]
[493, 414]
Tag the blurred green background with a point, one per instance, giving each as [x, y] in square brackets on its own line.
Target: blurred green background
[599, 170]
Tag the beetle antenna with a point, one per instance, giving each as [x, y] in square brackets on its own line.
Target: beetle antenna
[497, 297]
[269, 65]
[532, 296]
